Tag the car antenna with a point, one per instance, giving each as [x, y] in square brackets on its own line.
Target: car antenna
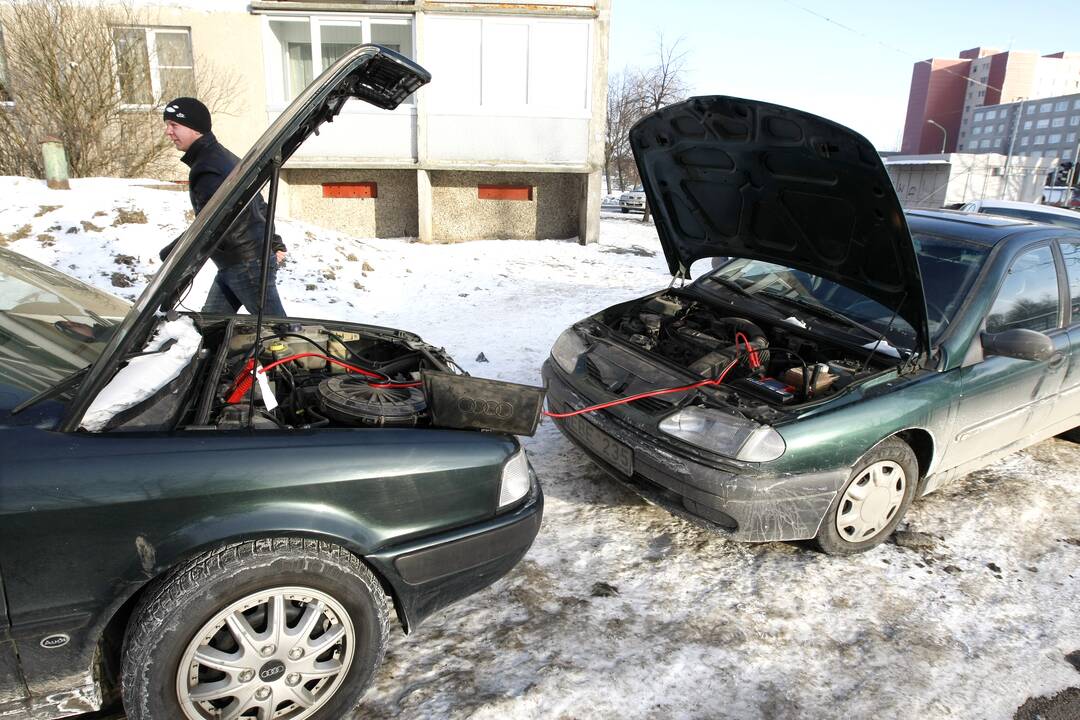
[268, 238]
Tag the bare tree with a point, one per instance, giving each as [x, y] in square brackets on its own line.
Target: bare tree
[621, 115]
[664, 82]
[77, 72]
[661, 84]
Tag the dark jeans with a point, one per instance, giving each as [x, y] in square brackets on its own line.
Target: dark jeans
[238, 285]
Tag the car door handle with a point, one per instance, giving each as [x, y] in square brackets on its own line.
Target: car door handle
[1056, 361]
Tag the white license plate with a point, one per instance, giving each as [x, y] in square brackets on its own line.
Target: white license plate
[610, 450]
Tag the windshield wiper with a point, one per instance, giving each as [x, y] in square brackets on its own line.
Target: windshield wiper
[65, 384]
[829, 313]
[70, 381]
[737, 288]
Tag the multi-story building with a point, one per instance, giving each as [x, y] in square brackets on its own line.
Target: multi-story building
[506, 141]
[946, 94]
[1043, 128]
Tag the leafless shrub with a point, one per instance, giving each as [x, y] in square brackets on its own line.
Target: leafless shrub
[75, 71]
[633, 93]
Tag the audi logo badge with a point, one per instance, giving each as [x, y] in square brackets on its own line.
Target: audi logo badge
[487, 408]
[55, 641]
[271, 670]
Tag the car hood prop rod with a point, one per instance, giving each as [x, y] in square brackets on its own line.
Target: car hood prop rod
[268, 240]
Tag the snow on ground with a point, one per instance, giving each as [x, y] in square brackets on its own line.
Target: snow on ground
[620, 609]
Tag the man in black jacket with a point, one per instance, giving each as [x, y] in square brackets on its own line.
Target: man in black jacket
[238, 256]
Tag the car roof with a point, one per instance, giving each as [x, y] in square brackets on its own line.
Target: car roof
[985, 229]
[1031, 207]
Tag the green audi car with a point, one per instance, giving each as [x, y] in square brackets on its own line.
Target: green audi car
[846, 358]
[215, 517]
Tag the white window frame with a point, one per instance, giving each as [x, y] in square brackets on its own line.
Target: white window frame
[275, 81]
[1053, 139]
[151, 32]
[1042, 124]
[1061, 106]
[1046, 107]
[1039, 140]
[1057, 122]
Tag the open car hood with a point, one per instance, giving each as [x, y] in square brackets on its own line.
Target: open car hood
[368, 72]
[742, 178]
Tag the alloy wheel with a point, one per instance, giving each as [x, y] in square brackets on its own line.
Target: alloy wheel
[870, 501]
[275, 654]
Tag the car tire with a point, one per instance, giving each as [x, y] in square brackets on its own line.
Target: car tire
[251, 620]
[869, 506]
[1071, 435]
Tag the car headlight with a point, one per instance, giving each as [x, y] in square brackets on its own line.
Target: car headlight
[725, 434]
[568, 350]
[515, 479]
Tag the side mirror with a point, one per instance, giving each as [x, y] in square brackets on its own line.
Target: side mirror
[1019, 344]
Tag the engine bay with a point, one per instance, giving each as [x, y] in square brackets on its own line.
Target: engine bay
[779, 362]
[310, 375]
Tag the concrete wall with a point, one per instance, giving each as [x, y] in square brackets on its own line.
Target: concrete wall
[392, 214]
[458, 214]
[945, 180]
[227, 49]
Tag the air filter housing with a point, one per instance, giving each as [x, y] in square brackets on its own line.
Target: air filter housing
[352, 400]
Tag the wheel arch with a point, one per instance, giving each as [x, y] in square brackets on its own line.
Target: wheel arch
[921, 442]
[190, 542]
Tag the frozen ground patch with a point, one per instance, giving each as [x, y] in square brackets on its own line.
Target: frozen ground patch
[621, 610]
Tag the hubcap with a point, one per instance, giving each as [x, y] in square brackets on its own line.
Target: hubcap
[277, 654]
[871, 501]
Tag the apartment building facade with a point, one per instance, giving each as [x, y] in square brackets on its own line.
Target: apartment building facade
[1043, 128]
[506, 141]
[946, 93]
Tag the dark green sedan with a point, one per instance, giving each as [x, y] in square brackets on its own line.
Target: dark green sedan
[846, 358]
[217, 516]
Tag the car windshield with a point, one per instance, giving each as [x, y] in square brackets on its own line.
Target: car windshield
[948, 269]
[50, 324]
[1073, 223]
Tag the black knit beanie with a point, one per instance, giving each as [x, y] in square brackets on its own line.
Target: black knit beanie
[188, 112]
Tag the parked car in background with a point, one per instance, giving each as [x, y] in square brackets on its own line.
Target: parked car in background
[1028, 211]
[1061, 196]
[847, 359]
[215, 518]
[632, 200]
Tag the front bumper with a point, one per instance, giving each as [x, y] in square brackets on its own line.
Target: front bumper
[740, 502]
[428, 574]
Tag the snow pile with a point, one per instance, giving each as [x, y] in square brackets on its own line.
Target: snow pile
[170, 350]
[620, 609]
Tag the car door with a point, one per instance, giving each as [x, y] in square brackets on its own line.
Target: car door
[1068, 402]
[12, 687]
[1004, 400]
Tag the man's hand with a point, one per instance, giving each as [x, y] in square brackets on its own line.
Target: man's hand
[280, 255]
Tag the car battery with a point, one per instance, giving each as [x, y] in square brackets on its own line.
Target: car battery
[820, 378]
[767, 388]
